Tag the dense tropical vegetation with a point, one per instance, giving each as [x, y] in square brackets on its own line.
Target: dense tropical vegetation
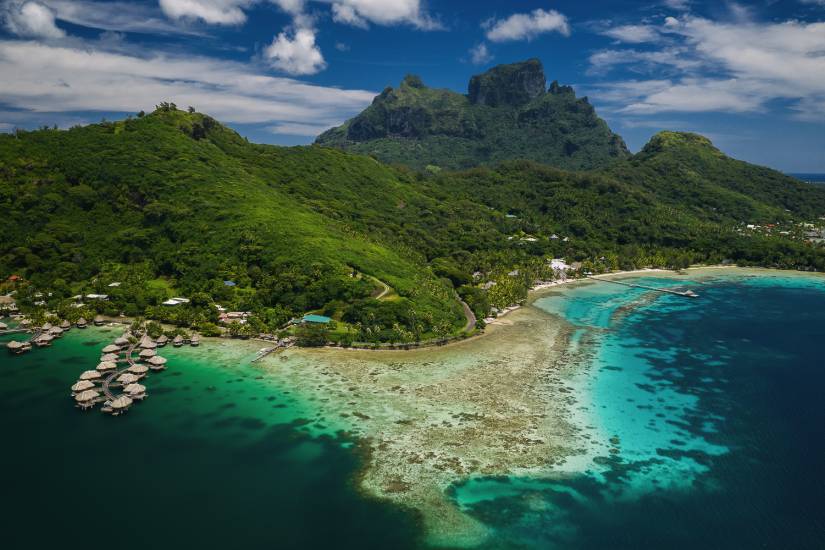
[174, 204]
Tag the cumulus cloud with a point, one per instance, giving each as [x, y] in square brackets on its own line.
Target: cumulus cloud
[680, 5]
[214, 12]
[67, 79]
[527, 26]
[479, 54]
[382, 12]
[726, 67]
[296, 53]
[31, 19]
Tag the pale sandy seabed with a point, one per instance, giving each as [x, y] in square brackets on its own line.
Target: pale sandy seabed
[496, 405]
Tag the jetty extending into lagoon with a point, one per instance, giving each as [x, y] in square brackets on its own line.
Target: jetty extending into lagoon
[682, 293]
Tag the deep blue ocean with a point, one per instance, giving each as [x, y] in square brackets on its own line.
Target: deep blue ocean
[810, 178]
[707, 418]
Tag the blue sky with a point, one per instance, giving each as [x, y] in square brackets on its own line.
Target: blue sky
[751, 76]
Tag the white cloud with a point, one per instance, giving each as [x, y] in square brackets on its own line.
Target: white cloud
[724, 67]
[382, 12]
[526, 26]
[62, 79]
[297, 54]
[214, 12]
[342, 13]
[634, 34]
[114, 16]
[31, 19]
[479, 54]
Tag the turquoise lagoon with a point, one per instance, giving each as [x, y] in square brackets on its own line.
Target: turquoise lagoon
[706, 417]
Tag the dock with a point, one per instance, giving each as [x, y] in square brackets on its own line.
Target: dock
[682, 293]
[268, 351]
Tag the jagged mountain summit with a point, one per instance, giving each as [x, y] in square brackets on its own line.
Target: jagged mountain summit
[508, 113]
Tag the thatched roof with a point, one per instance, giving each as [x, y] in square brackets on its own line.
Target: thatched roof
[121, 402]
[14, 344]
[122, 341]
[45, 338]
[25, 322]
[127, 378]
[109, 357]
[3, 326]
[162, 339]
[47, 326]
[146, 353]
[99, 318]
[83, 385]
[65, 325]
[178, 339]
[148, 343]
[56, 331]
[106, 365]
[111, 348]
[135, 389]
[157, 360]
[82, 321]
[87, 395]
[138, 369]
[90, 375]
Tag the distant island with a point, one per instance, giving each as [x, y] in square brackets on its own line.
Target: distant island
[174, 217]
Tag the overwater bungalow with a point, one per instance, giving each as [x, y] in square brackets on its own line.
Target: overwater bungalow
[25, 323]
[90, 375]
[44, 341]
[128, 378]
[195, 341]
[111, 348]
[178, 341]
[18, 347]
[110, 357]
[140, 370]
[4, 326]
[106, 366]
[120, 405]
[65, 325]
[157, 362]
[122, 342]
[147, 353]
[56, 332]
[147, 343]
[99, 320]
[136, 391]
[46, 327]
[82, 386]
[86, 399]
[162, 340]
[81, 323]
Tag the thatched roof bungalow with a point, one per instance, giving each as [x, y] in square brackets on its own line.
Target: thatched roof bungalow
[83, 385]
[148, 343]
[106, 366]
[81, 323]
[111, 348]
[162, 340]
[127, 378]
[86, 396]
[90, 375]
[147, 353]
[16, 347]
[46, 327]
[178, 341]
[4, 326]
[120, 404]
[56, 332]
[65, 325]
[195, 341]
[138, 369]
[111, 357]
[99, 320]
[122, 342]
[44, 341]
[157, 363]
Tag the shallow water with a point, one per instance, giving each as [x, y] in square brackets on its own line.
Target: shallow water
[706, 417]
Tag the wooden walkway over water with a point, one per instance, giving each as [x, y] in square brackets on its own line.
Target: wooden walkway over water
[682, 293]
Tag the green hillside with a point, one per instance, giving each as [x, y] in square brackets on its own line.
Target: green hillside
[507, 114]
[175, 204]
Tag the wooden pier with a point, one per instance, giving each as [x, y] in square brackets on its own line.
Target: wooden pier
[682, 293]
